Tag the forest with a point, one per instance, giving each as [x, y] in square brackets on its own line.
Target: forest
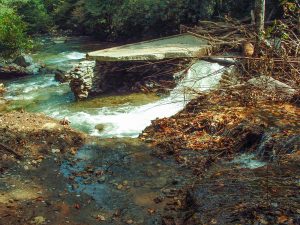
[112, 20]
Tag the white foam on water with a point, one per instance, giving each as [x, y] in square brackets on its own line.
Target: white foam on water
[19, 89]
[75, 55]
[67, 56]
[131, 121]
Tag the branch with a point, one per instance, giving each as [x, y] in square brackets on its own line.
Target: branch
[10, 150]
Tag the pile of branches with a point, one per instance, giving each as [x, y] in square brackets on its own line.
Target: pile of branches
[276, 56]
[222, 34]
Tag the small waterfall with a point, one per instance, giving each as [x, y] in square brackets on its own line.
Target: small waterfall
[249, 161]
[130, 121]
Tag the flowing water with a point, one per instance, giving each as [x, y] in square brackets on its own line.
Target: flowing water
[132, 178]
[122, 116]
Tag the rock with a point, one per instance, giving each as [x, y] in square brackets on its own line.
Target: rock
[64, 121]
[38, 220]
[100, 218]
[50, 126]
[10, 70]
[55, 151]
[129, 221]
[61, 76]
[101, 179]
[4, 157]
[2, 89]
[273, 85]
[100, 127]
[248, 49]
[59, 40]
[120, 186]
[24, 60]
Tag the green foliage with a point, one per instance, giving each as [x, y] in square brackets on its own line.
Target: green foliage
[112, 19]
[13, 36]
[128, 18]
[291, 8]
[34, 13]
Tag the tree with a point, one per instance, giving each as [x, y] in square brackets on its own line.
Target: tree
[260, 8]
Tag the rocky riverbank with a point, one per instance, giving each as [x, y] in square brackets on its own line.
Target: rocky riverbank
[23, 65]
[20, 66]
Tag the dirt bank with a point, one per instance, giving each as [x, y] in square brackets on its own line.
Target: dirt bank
[32, 191]
[221, 125]
[35, 135]
[211, 136]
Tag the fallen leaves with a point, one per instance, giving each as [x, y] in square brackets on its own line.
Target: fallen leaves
[282, 219]
[217, 124]
[77, 206]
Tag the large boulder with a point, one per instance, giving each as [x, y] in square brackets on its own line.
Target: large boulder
[14, 70]
[24, 60]
[23, 65]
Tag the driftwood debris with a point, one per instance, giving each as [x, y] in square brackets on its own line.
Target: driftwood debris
[276, 56]
[219, 34]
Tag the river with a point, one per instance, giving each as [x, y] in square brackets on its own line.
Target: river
[121, 115]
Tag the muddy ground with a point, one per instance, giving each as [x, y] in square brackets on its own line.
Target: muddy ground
[31, 147]
[52, 174]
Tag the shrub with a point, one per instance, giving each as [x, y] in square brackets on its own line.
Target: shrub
[13, 36]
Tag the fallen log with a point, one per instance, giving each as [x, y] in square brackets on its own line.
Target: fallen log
[10, 150]
[292, 60]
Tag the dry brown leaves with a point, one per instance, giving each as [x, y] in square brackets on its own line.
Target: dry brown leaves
[217, 123]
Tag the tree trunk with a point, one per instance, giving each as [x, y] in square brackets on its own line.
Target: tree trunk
[260, 7]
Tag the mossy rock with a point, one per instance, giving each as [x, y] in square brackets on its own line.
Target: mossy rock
[100, 127]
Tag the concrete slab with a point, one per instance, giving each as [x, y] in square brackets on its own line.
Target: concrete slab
[178, 46]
